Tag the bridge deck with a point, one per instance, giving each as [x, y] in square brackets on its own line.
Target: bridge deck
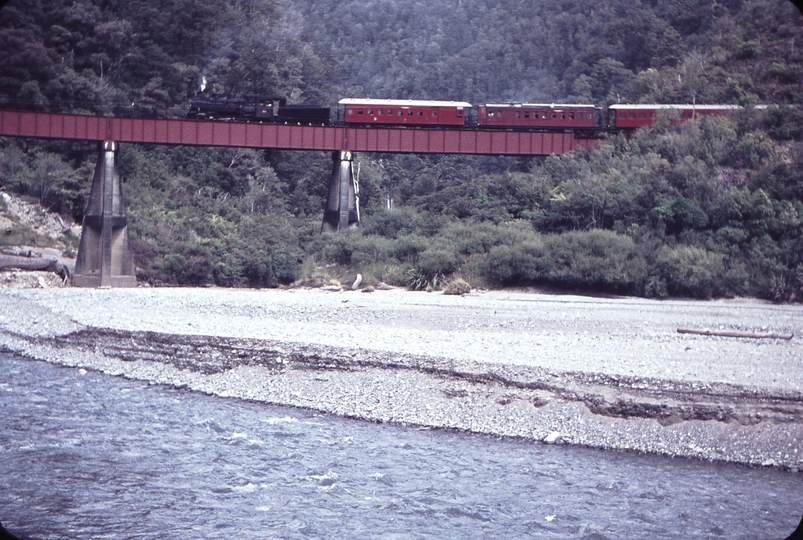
[288, 137]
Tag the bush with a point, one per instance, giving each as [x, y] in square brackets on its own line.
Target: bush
[788, 286]
[391, 223]
[511, 265]
[687, 271]
[595, 259]
[407, 248]
[191, 267]
[227, 274]
[339, 247]
[457, 287]
[432, 270]
[285, 265]
[468, 238]
[371, 249]
[437, 261]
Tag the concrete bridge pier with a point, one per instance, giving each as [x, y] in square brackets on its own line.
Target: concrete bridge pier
[343, 204]
[104, 258]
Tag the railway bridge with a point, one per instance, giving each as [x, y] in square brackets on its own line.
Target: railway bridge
[104, 258]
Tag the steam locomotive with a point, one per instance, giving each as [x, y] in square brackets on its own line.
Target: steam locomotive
[420, 113]
[255, 107]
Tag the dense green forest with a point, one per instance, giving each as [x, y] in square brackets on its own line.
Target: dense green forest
[708, 208]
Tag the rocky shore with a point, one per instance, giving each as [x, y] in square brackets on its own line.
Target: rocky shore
[610, 373]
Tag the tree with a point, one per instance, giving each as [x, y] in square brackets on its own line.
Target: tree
[671, 50]
[610, 80]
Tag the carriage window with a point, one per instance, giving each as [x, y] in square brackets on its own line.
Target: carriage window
[526, 114]
[632, 115]
[380, 112]
[590, 116]
[554, 115]
[641, 115]
[359, 111]
[518, 114]
[420, 113]
[563, 116]
[351, 111]
[410, 112]
[460, 111]
[622, 115]
[652, 115]
[370, 111]
[390, 111]
[434, 113]
[571, 116]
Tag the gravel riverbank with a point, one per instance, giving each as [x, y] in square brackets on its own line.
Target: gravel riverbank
[610, 373]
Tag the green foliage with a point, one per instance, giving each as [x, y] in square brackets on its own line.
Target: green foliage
[394, 224]
[435, 264]
[710, 207]
[598, 259]
[671, 50]
[37, 172]
[686, 271]
[515, 264]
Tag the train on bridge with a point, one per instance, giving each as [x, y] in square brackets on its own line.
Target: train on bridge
[447, 114]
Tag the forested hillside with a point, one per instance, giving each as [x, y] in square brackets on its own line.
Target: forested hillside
[713, 207]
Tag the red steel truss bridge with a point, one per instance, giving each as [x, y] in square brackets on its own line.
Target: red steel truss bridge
[104, 258]
[290, 137]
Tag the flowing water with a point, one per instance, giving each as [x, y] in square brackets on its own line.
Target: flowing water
[90, 456]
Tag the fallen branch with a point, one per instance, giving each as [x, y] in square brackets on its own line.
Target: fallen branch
[14, 262]
[734, 333]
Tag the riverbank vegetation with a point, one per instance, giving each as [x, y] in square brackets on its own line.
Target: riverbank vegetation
[708, 208]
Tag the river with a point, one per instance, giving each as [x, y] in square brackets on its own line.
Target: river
[90, 456]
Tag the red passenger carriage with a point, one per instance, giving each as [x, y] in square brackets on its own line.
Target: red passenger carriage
[536, 115]
[404, 112]
[636, 116]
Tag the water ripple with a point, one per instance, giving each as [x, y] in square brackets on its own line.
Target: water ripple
[87, 455]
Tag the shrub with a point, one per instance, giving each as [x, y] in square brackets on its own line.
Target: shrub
[285, 265]
[457, 287]
[392, 274]
[594, 259]
[339, 248]
[191, 267]
[510, 265]
[407, 248]
[371, 249]
[258, 269]
[437, 261]
[469, 237]
[391, 223]
[227, 274]
[417, 281]
[432, 270]
[787, 286]
[687, 271]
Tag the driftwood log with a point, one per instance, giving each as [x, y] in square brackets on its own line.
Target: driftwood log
[15, 262]
[734, 333]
